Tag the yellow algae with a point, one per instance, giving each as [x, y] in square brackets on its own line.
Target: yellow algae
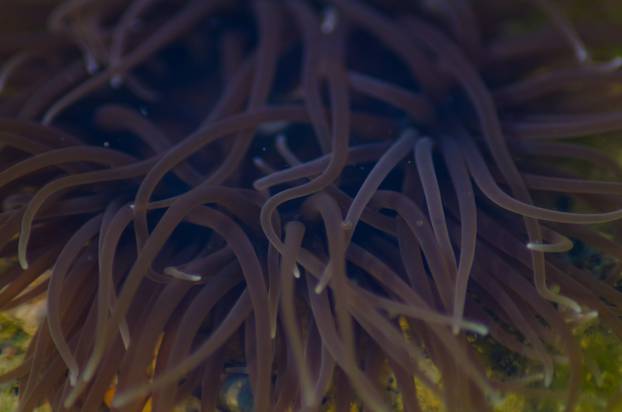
[511, 403]
[602, 380]
[427, 399]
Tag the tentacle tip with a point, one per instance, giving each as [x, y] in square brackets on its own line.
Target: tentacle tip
[273, 327]
[426, 140]
[118, 402]
[181, 275]
[122, 399]
[319, 289]
[582, 55]
[481, 330]
[329, 20]
[22, 256]
[575, 307]
[125, 338]
[70, 400]
[589, 316]
[272, 127]
[89, 371]
[73, 378]
[614, 64]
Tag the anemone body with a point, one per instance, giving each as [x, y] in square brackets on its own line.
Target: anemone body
[304, 198]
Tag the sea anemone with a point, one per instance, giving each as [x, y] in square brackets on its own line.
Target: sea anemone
[309, 195]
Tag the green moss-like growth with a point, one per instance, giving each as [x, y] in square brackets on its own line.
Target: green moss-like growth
[13, 342]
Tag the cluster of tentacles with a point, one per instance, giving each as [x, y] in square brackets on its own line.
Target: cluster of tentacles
[313, 194]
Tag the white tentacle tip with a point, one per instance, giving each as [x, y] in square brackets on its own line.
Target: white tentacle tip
[122, 399]
[125, 335]
[582, 55]
[319, 288]
[73, 378]
[586, 316]
[614, 64]
[89, 371]
[181, 275]
[118, 402]
[575, 307]
[480, 329]
[23, 261]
